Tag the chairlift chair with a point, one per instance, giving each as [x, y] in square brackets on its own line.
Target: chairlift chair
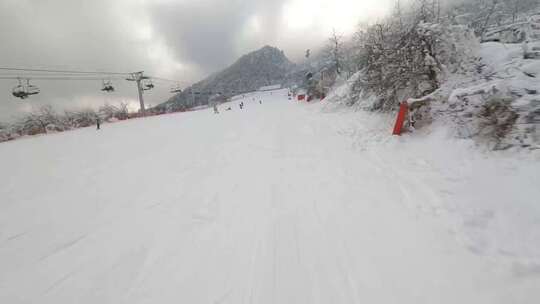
[107, 86]
[147, 84]
[176, 89]
[24, 89]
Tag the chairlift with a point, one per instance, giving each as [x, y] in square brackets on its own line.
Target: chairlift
[147, 84]
[176, 89]
[24, 89]
[107, 86]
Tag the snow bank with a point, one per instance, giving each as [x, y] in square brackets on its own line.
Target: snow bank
[503, 106]
[487, 199]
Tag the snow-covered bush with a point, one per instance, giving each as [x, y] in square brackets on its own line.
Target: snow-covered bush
[5, 134]
[496, 119]
[38, 122]
[110, 113]
[410, 55]
[46, 120]
[484, 15]
[82, 118]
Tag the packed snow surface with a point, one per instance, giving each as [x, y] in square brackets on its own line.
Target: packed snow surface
[277, 203]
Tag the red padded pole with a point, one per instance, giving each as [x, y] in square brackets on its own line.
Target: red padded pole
[402, 114]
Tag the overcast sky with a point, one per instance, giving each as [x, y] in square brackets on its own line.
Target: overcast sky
[176, 39]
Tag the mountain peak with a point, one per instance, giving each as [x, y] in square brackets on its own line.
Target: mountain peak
[267, 54]
[265, 66]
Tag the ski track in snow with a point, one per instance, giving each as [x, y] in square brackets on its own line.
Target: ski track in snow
[277, 203]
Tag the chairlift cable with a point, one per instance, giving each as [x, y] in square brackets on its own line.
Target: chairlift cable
[24, 90]
[165, 79]
[73, 73]
[61, 71]
[54, 78]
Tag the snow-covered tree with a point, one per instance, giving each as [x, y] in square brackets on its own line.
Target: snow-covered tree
[409, 54]
[335, 51]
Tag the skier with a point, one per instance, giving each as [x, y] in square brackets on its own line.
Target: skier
[260, 101]
[241, 105]
[525, 48]
[98, 123]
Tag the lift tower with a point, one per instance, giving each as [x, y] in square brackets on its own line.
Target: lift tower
[138, 77]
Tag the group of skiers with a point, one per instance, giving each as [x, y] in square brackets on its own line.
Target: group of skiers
[216, 111]
[240, 105]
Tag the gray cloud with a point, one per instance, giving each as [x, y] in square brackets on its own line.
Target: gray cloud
[207, 33]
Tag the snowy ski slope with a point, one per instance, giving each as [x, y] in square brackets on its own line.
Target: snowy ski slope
[277, 203]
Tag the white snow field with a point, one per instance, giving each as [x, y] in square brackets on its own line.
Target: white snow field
[276, 203]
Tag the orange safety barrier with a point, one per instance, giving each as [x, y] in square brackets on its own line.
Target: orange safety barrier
[402, 114]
